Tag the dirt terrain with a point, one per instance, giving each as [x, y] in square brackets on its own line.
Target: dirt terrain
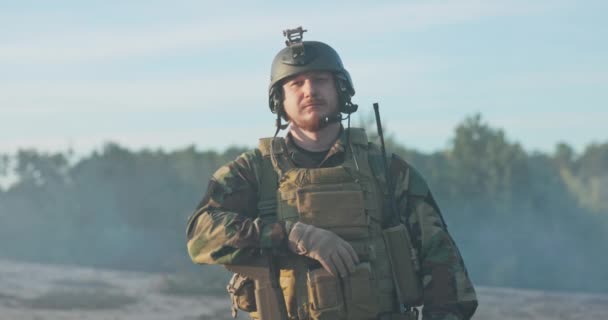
[46, 292]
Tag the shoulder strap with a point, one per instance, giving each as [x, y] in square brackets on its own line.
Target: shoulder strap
[267, 182]
[264, 146]
[276, 150]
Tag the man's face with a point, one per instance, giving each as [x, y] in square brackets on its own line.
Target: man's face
[309, 97]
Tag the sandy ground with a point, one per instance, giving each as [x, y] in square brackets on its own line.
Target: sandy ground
[23, 286]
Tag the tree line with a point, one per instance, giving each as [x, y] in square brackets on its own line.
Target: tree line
[521, 219]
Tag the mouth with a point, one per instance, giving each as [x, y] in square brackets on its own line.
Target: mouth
[313, 105]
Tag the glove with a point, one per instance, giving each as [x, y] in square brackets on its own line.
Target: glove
[335, 255]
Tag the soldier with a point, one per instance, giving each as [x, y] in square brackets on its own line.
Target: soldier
[306, 220]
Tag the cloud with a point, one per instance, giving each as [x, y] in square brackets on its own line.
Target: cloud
[204, 137]
[414, 16]
[98, 44]
[555, 79]
[391, 76]
[83, 43]
[110, 44]
[563, 122]
[208, 91]
[200, 91]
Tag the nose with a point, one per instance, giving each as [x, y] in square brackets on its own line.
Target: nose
[309, 88]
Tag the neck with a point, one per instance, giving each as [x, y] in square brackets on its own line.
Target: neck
[320, 140]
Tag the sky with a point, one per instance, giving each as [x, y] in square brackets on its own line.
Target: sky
[172, 74]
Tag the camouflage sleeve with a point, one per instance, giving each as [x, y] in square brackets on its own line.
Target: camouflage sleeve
[225, 228]
[448, 290]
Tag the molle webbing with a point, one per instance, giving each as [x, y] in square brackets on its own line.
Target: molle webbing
[292, 189]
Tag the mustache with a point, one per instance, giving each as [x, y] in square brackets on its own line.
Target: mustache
[313, 101]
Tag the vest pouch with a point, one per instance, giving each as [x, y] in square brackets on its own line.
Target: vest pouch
[339, 208]
[325, 295]
[242, 293]
[404, 264]
[359, 287]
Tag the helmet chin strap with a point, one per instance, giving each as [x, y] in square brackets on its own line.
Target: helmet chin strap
[279, 125]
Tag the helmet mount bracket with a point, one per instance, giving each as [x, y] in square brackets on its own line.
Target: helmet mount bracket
[293, 35]
[294, 42]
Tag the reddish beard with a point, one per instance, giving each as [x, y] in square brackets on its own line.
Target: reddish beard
[311, 124]
[315, 121]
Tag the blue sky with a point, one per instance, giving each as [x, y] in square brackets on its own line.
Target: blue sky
[75, 74]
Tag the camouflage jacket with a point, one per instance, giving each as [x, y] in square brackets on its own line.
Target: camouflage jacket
[225, 228]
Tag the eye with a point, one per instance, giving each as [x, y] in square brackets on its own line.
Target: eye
[296, 83]
[321, 78]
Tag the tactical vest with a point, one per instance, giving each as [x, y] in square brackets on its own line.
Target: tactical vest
[348, 200]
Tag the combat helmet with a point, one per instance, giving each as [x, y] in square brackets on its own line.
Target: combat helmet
[301, 56]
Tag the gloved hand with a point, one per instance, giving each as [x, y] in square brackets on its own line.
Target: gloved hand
[335, 254]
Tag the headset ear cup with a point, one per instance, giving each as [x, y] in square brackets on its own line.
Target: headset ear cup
[349, 107]
[344, 92]
[274, 99]
[271, 100]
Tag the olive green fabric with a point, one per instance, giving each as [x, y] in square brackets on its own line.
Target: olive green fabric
[345, 200]
[227, 227]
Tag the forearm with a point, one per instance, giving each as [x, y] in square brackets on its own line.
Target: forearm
[223, 237]
[225, 228]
